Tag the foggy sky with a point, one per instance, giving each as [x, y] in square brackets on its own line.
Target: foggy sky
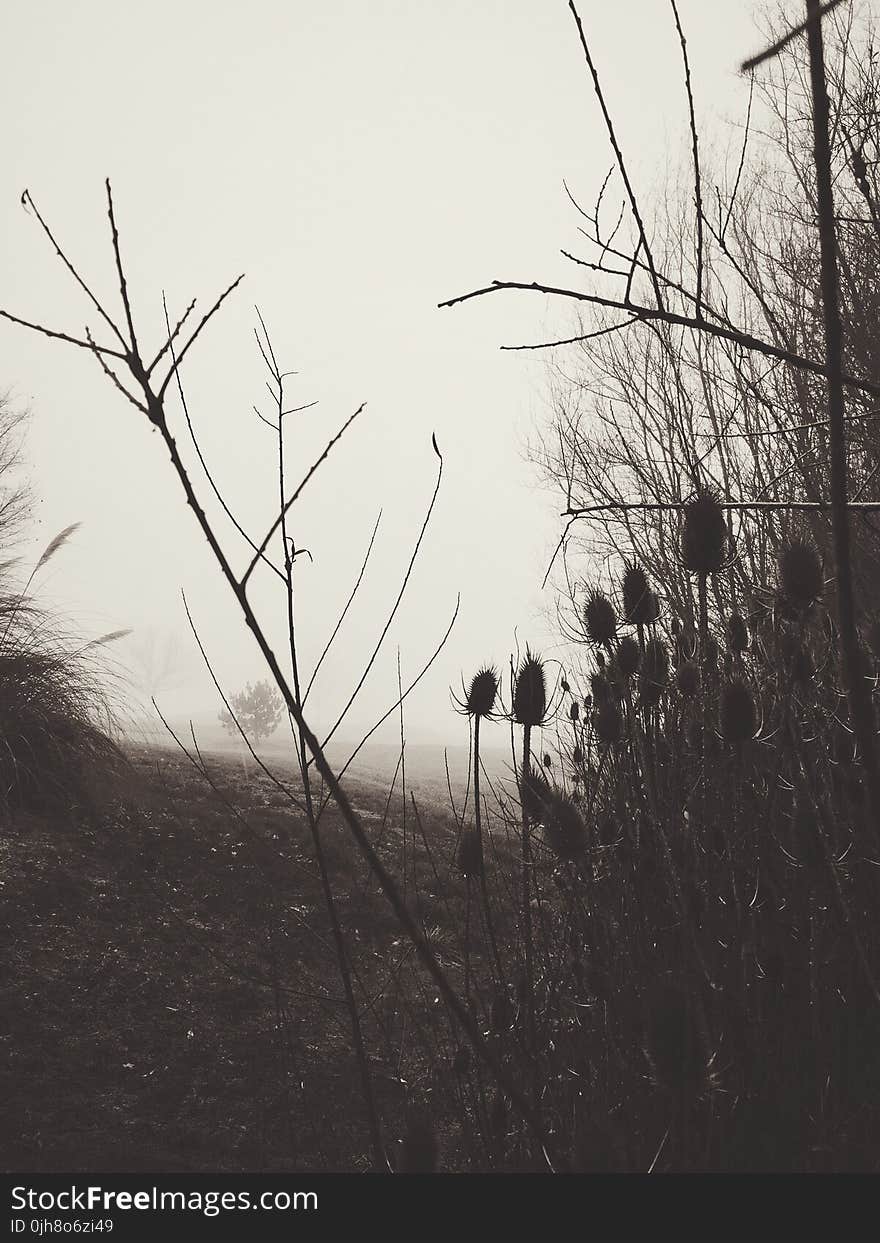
[359, 160]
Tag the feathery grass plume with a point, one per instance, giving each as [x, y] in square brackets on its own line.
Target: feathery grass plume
[654, 672]
[470, 853]
[530, 692]
[564, 829]
[673, 1045]
[628, 656]
[607, 722]
[704, 534]
[535, 793]
[801, 580]
[687, 678]
[420, 1153]
[637, 603]
[737, 633]
[482, 692]
[600, 619]
[738, 717]
[52, 547]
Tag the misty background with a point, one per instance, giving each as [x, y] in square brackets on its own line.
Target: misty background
[359, 162]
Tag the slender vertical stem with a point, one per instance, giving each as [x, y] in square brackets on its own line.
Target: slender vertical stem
[861, 710]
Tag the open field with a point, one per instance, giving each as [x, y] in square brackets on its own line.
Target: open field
[170, 1000]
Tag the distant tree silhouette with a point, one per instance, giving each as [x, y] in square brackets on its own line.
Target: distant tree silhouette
[257, 712]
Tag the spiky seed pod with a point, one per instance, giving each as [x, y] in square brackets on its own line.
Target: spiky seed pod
[674, 1047]
[600, 619]
[738, 716]
[564, 829]
[652, 608]
[574, 711]
[565, 687]
[607, 722]
[535, 794]
[711, 657]
[420, 1153]
[577, 756]
[628, 656]
[482, 692]
[800, 573]
[470, 853]
[688, 679]
[530, 691]
[548, 761]
[737, 633]
[704, 534]
[636, 596]
[601, 689]
[654, 672]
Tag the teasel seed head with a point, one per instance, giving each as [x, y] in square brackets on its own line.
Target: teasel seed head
[637, 605]
[535, 794]
[600, 687]
[530, 691]
[564, 829]
[628, 656]
[654, 672]
[607, 722]
[800, 573]
[600, 619]
[482, 692]
[574, 712]
[738, 715]
[704, 534]
[688, 678]
[737, 633]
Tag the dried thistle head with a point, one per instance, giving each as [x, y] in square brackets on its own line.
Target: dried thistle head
[654, 673]
[530, 691]
[564, 829]
[482, 692]
[704, 534]
[687, 678]
[738, 716]
[628, 656]
[737, 633]
[600, 619]
[637, 597]
[607, 722]
[535, 794]
[801, 580]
